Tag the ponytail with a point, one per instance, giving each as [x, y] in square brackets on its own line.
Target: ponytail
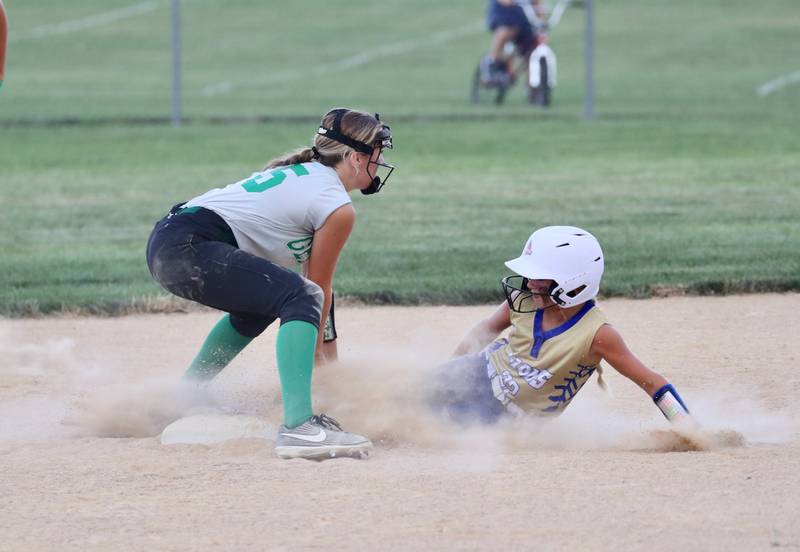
[600, 381]
[357, 125]
[303, 155]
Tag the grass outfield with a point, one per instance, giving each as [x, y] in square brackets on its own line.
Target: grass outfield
[688, 177]
[111, 58]
[692, 206]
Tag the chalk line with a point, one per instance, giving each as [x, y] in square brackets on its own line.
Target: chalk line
[367, 56]
[89, 22]
[776, 84]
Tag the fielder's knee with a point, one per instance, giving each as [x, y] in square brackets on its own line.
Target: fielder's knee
[304, 304]
[249, 325]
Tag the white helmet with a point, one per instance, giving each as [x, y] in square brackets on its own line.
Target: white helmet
[569, 256]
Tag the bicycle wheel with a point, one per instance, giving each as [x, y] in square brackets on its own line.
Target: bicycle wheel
[483, 88]
[540, 95]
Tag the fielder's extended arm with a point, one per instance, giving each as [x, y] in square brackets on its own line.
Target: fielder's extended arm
[329, 240]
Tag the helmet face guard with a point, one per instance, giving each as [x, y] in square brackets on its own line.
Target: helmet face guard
[382, 141]
[520, 298]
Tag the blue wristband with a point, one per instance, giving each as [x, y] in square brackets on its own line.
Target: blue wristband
[670, 402]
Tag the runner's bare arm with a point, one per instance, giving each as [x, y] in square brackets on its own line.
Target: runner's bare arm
[485, 331]
[609, 346]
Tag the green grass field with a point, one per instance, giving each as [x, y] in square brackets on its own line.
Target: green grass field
[689, 178]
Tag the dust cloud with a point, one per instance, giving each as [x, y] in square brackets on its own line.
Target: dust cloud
[380, 393]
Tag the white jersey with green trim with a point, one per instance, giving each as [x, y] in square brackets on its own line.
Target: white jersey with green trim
[274, 213]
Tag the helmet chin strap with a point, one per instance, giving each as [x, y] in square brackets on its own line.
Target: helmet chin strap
[551, 305]
[376, 184]
[555, 297]
[373, 188]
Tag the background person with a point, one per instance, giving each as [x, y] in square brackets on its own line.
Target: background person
[238, 249]
[509, 24]
[557, 340]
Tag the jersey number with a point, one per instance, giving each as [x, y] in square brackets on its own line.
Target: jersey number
[270, 179]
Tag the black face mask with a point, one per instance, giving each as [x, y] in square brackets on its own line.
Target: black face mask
[382, 141]
[520, 298]
[378, 180]
[375, 186]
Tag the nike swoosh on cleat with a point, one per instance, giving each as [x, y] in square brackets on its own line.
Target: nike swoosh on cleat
[318, 438]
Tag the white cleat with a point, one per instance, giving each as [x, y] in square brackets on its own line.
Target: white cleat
[319, 438]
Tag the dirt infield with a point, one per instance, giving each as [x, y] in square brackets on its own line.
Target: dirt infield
[82, 401]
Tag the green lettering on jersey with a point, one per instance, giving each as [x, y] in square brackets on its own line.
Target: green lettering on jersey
[270, 179]
[301, 248]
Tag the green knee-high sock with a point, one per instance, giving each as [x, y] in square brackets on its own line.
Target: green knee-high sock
[219, 348]
[297, 341]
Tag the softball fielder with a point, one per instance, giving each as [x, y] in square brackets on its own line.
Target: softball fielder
[265, 248]
[557, 340]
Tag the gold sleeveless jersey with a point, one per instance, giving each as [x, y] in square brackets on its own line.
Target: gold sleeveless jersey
[540, 371]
